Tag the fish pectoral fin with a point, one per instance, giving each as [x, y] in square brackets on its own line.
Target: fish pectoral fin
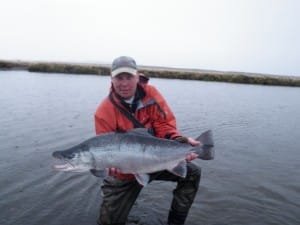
[180, 169]
[143, 179]
[99, 173]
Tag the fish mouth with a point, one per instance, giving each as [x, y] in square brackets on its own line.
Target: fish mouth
[67, 166]
[63, 167]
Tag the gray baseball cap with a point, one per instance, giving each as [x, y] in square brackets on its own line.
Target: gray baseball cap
[123, 64]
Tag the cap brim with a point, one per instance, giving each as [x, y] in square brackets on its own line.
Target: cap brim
[124, 70]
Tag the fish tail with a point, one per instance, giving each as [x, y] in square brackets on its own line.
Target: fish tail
[206, 149]
[206, 138]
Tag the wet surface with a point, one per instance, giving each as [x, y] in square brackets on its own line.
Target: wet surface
[254, 178]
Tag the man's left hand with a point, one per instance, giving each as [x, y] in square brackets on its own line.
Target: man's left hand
[193, 142]
[192, 155]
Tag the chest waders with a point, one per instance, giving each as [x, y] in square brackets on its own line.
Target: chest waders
[119, 196]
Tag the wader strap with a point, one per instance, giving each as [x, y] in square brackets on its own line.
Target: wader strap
[128, 115]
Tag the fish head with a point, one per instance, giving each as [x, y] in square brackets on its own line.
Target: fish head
[76, 159]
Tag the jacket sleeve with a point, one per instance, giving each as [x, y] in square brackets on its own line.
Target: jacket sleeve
[164, 123]
[104, 120]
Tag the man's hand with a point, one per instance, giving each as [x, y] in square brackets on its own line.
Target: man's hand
[189, 140]
[193, 142]
[191, 156]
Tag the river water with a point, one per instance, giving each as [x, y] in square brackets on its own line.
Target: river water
[254, 179]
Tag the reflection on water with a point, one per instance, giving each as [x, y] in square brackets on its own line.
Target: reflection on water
[253, 180]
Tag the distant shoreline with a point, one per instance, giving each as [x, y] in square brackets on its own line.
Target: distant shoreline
[159, 72]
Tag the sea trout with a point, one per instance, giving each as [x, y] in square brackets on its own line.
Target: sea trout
[135, 152]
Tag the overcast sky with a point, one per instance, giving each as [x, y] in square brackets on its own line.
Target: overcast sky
[231, 35]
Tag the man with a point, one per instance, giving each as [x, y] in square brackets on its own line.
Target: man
[134, 104]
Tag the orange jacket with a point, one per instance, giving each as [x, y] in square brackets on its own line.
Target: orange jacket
[152, 111]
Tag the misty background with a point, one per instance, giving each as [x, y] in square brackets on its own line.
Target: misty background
[260, 36]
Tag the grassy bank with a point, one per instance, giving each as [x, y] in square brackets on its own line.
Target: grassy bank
[171, 73]
[68, 68]
[10, 65]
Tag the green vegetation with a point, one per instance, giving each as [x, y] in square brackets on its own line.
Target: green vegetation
[12, 65]
[242, 78]
[170, 73]
[67, 68]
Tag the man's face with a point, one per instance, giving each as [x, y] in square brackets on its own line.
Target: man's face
[125, 84]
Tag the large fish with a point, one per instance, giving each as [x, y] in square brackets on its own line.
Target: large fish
[135, 152]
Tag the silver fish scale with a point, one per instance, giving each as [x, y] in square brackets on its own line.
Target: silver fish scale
[136, 156]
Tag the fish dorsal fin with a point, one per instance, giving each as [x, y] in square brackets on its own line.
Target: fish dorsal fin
[139, 131]
[99, 173]
[180, 169]
[143, 179]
